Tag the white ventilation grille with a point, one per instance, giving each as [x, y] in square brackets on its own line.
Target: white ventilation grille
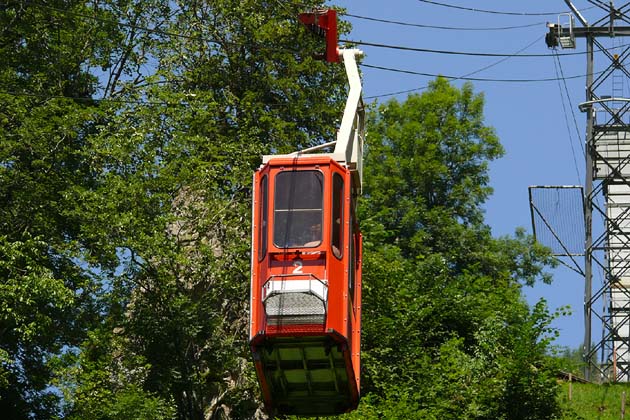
[291, 301]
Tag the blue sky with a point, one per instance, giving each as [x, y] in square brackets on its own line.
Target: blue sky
[543, 139]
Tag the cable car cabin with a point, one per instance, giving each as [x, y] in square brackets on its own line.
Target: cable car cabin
[306, 286]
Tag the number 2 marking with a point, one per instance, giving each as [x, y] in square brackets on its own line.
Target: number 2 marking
[298, 267]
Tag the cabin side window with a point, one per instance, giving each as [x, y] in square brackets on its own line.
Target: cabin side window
[337, 216]
[298, 204]
[263, 224]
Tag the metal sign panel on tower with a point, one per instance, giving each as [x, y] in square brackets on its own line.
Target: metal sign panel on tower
[612, 156]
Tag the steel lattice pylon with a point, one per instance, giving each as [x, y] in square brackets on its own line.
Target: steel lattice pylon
[607, 175]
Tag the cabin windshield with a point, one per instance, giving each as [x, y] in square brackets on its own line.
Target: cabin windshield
[298, 209]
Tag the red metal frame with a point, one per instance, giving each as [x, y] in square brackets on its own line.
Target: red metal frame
[325, 22]
[341, 327]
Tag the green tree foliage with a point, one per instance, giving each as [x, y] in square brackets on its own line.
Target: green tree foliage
[446, 331]
[47, 288]
[191, 95]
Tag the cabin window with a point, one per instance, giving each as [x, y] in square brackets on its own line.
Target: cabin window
[298, 209]
[264, 220]
[337, 216]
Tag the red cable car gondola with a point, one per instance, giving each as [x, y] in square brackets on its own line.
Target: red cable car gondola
[305, 310]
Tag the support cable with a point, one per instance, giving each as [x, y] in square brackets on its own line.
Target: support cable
[475, 79]
[560, 75]
[458, 78]
[453, 28]
[355, 42]
[451, 52]
[494, 12]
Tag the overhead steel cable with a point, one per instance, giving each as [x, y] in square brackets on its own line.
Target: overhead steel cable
[566, 89]
[504, 58]
[465, 75]
[495, 12]
[370, 44]
[450, 52]
[400, 92]
[454, 28]
[474, 79]
[560, 74]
